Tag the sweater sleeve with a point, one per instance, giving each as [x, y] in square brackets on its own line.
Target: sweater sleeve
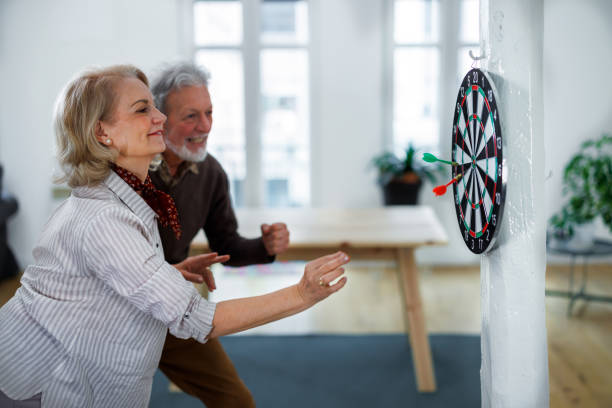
[221, 228]
[118, 252]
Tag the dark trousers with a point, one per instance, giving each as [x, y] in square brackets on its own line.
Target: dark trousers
[205, 372]
[6, 402]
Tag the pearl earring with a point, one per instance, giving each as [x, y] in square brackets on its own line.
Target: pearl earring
[108, 141]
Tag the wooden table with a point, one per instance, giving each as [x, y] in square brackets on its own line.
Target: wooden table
[376, 233]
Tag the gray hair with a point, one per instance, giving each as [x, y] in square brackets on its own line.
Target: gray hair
[174, 77]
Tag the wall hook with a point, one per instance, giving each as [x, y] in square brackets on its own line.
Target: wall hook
[476, 58]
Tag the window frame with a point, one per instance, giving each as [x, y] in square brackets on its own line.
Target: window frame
[251, 49]
[448, 45]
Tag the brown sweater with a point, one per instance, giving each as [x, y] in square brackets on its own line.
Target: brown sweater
[202, 198]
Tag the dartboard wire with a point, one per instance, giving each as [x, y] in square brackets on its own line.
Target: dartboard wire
[489, 185]
[464, 131]
[474, 111]
[473, 224]
[482, 192]
[462, 193]
[480, 216]
[482, 119]
[468, 196]
[464, 114]
[481, 130]
[466, 156]
[489, 149]
[467, 210]
[488, 130]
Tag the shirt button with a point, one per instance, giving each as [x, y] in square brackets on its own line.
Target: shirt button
[156, 245]
[187, 315]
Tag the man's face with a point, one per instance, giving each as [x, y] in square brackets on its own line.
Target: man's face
[189, 112]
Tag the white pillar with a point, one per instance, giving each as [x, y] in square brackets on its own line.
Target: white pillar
[514, 370]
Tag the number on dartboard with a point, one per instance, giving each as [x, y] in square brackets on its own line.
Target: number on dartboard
[480, 188]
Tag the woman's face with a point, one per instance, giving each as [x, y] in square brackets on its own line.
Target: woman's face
[135, 129]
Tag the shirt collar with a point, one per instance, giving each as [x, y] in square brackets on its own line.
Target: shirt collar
[170, 180]
[130, 198]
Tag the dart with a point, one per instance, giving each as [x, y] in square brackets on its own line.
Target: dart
[441, 190]
[430, 158]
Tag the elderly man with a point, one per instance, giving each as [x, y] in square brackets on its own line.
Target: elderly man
[200, 188]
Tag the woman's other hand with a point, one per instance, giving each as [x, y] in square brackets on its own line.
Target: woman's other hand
[197, 268]
[316, 283]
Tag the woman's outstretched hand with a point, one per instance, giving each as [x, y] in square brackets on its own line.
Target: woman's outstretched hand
[197, 268]
[316, 283]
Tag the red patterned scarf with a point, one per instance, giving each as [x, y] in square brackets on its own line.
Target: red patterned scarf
[160, 202]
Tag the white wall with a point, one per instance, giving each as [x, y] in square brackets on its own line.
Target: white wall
[577, 83]
[42, 43]
[347, 129]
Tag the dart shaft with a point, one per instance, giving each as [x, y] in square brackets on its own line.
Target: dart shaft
[455, 179]
[448, 162]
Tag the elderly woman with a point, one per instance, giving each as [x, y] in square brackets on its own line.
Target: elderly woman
[87, 326]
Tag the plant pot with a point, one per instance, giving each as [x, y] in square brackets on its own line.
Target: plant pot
[584, 236]
[398, 192]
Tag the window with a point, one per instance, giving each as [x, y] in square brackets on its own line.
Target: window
[430, 44]
[257, 53]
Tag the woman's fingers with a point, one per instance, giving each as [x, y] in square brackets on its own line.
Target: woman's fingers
[209, 279]
[338, 285]
[221, 259]
[333, 263]
[326, 279]
[338, 258]
[197, 268]
[190, 276]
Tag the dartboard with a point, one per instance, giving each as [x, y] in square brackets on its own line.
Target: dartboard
[477, 150]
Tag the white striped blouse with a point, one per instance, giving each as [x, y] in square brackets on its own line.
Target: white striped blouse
[88, 324]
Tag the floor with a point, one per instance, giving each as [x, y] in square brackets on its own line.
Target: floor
[579, 347]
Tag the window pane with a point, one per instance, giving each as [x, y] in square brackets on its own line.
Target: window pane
[285, 144]
[227, 141]
[416, 82]
[284, 22]
[217, 22]
[416, 21]
[469, 30]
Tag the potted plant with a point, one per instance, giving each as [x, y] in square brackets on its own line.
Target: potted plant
[587, 184]
[401, 177]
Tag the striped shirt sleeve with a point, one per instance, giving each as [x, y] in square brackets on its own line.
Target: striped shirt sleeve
[117, 250]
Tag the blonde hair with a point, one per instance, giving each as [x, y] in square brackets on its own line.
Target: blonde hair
[89, 98]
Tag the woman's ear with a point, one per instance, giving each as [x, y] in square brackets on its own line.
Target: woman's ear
[101, 135]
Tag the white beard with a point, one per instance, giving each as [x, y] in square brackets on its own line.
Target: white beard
[185, 154]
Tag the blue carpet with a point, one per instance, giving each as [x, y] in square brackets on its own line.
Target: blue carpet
[331, 371]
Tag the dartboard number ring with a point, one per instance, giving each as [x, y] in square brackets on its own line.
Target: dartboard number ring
[477, 149]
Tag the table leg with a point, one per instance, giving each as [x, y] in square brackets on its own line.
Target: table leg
[415, 321]
[572, 299]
